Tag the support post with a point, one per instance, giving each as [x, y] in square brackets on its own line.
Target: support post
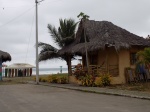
[37, 61]
[85, 44]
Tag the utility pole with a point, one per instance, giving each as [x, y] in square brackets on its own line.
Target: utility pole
[37, 59]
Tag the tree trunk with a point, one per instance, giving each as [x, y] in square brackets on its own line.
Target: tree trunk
[69, 66]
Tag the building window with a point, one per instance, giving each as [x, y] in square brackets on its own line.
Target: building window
[133, 58]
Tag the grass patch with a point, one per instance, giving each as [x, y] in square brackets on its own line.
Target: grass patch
[16, 80]
[61, 75]
[23, 80]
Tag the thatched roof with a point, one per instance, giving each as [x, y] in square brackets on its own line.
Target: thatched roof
[101, 34]
[4, 56]
[20, 66]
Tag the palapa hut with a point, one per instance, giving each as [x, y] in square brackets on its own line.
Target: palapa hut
[110, 48]
[19, 70]
[4, 56]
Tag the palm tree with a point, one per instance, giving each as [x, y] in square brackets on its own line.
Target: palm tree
[63, 36]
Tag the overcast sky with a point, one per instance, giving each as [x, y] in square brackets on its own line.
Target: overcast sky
[17, 22]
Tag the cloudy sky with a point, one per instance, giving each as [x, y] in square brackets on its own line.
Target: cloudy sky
[17, 22]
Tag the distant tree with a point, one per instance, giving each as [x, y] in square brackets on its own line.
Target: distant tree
[83, 16]
[63, 36]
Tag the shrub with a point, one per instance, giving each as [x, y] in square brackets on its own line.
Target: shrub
[87, 80]
[105, 79]
[49, 79]
[54, 79]
[40, 79]
[43, 80]
[79, 72]
[34, 78]
[62, 80]
[98, 81]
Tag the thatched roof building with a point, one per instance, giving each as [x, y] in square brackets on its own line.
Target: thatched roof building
[100, 34]
[20, 66]
[4, 56]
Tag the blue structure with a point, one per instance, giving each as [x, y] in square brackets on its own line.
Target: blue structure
[60, 69]
[4, 56]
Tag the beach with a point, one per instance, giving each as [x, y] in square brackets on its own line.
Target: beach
[45, 71]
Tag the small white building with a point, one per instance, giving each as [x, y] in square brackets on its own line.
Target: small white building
[19, 70]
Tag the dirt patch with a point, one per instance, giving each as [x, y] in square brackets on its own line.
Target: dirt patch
[133, 87]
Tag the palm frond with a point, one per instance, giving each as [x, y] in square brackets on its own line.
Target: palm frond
[67, 30]
[47, 52]
[45, 46]
[47, 55]
[55, 35]
[63, 36]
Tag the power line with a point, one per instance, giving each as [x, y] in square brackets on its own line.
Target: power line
[29, 39]
[15, 6]
[16, 17]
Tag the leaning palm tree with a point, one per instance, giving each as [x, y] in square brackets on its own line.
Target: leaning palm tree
[63, 36]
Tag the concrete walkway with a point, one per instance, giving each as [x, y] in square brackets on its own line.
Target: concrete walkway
[98, 90]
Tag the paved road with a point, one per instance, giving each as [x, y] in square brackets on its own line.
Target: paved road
[37, 98]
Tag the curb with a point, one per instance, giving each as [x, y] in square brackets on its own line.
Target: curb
[98, 92]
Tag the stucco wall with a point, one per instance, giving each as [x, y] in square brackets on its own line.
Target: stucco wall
[124, 61]
[110, 57]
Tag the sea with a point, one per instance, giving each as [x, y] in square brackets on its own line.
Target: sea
[45, 71]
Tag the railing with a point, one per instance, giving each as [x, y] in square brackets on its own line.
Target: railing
[97, 69]
[113, 70]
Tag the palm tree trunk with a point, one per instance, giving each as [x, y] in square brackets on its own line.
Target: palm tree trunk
[69, 66]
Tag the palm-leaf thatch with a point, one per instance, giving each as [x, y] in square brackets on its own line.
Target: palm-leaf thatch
[100, 34]
[4, 56]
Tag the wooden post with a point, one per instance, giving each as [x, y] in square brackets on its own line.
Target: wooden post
[85, 44]
[69, 66]
[30, 71]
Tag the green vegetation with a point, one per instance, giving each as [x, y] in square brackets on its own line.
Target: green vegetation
[61, 78]
[144, 56]
[91, 79]
[87, 80]
[57, 78]
[79, 72]
[83, 16]
[62, 36]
